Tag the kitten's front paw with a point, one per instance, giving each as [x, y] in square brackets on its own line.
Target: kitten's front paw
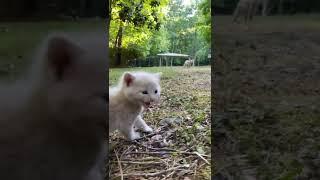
[133, 136]
[148, 129]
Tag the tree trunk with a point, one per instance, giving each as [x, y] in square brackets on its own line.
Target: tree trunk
[173, 46]
[109, 15]
[265, 4]
[118, 44]
[193, 51]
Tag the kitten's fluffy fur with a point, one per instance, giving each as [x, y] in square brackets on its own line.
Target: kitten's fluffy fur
[135, 92]
[52, 122]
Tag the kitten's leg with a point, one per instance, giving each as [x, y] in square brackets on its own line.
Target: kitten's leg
[141, 124]
[129, 132]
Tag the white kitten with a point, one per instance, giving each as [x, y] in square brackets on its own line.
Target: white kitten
[135, 92]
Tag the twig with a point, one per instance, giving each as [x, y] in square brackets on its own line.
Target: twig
[195, 169]
[125, 151]
[138, 162]
[119, 163]
[144, 159]
[146, 136]
[156, 149]
[171, 174]
[154, 174]
[166, 152]
[202, 157]
[168, 149]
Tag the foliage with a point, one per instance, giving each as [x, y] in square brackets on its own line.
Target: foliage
[127, 53]
[159, 41]
[138, 13]
[202, 56]
[204, 22]
[185, 28]
[189, 28]
[133, 22]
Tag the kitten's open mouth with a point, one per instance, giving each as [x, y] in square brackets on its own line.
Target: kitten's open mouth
[146, 104]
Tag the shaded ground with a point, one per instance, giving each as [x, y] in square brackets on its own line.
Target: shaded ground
[266, 89]
[181, 146]
[19, 40]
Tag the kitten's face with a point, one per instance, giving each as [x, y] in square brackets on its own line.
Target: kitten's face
[142, 88]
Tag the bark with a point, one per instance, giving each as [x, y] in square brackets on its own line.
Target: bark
[118, 44]
[265, 4]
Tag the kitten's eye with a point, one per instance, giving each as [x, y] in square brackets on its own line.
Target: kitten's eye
[156, 91]
[144, 92]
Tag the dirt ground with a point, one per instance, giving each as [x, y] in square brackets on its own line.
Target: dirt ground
[180, 147]
[266, 86]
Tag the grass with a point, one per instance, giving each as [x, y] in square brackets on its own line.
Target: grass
[115, 73]
[267, 96]
[178, 150]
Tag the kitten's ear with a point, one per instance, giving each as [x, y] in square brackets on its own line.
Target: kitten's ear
[158, 75]
[61, 54]
[128, 78]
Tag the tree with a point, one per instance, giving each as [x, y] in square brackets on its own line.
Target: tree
[137, 13]
[204, 28]
[184, 29]
[159, 41]
[265, 4]
[205, 19]
[188, 27]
